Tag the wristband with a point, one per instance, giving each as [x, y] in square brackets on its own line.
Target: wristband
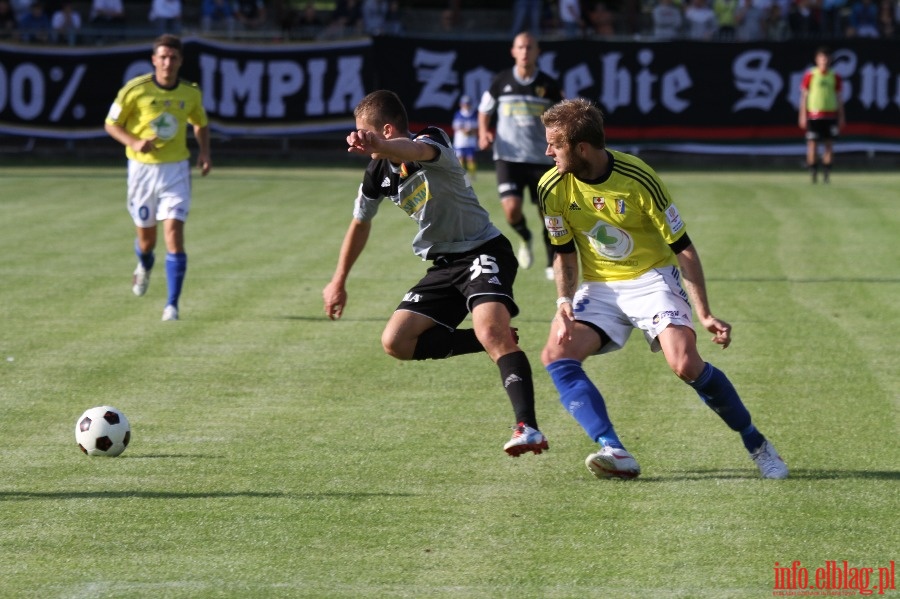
[563, 300]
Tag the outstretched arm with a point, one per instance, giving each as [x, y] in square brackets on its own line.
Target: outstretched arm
[335, 293]
[695, 285]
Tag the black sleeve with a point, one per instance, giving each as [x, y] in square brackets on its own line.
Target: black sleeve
[566, 248]
[679, 246]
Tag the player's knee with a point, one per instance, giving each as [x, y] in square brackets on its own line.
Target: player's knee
[686, 368]
[394, 347]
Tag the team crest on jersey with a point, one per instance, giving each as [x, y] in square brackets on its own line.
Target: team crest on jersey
[555, 226]
[610, 242]
[599, 203]
[165, 126]
[540, 91]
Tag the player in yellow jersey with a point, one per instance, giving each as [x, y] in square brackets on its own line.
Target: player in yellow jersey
[821, 113]
[613, 212]
[150, 116]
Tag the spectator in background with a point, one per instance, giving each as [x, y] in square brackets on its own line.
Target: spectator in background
[726, 16]
[8, 23]
[107, 15]
[217, 15]
[20, 9]
[526, 16]
[667, 20]
[570, 18]
[303, 24]
[250, 15]
[777, 29]
[35, 25]
[374, 16]
[65, 24]
[602, 21]
[750, 22]
[167, 16]
[346, 20]
[863, 19]
[832, 19]
[887, 19]
[393, 20]
[804, 20]
[701, 21]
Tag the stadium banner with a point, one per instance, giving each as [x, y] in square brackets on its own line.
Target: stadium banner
[277, 89]
[731, 97]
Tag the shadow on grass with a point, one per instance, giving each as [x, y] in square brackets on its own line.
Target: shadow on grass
[795, 473]
[55, 495]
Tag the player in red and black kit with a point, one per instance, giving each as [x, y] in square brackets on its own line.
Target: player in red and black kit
[518, 97]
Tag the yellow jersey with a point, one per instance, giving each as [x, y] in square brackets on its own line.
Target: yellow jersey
[149, 111]
[623, 223]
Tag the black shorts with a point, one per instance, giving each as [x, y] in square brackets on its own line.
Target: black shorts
[513, 178]
[456, 283]
[821, 129]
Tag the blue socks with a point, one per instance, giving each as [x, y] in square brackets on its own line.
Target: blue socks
[719, 394]
[176, 266]
[147, 259]
[583, 401]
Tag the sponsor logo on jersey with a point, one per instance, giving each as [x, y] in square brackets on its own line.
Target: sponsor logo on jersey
[556, 226]
[165, 126]
[386, 182]
[574, 206]
[610, 242]
[620, 206]
[674, 219]
[494, 280]
[599, 203]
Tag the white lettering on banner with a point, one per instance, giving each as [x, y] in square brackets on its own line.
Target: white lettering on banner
[759, 84]
[240, 89]
[618, 82]
[435, 71]
[27, 91]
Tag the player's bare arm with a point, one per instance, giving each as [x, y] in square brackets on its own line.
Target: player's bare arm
[565, 271]
[398, 149]
[204, 162]
[335, 293]
[485, 135]
[695, 285]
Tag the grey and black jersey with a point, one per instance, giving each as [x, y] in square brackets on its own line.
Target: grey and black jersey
[436, 194]
[519, 104]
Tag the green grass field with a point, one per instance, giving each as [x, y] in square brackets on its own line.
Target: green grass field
[279, 454]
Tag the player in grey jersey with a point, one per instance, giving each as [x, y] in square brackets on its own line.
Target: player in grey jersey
[473, 266]
[517, 97]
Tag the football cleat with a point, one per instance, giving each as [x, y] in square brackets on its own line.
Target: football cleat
[612, 462]
[769, 462]
[525, 255]
[170, 313]
[140, 281]
[525, 439]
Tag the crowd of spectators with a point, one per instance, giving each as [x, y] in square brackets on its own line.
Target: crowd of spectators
[100, 21]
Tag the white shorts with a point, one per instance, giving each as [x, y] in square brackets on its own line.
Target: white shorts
[650, 303]
[158, 192]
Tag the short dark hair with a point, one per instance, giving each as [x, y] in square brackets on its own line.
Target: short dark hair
[167, 40]
[579, 121]
[382, 107]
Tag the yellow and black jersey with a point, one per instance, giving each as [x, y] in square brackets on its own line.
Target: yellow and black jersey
[623, 223]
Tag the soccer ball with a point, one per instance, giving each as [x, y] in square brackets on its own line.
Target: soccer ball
[103, 430]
